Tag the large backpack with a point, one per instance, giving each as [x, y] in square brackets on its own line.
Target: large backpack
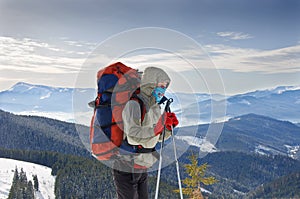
[117, 84]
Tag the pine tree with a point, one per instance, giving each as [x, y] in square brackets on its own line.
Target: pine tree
[29, 190]
[35, 183]
[14, 186]
[16, 175]
[22, 177]
[21, 188]
[196, 178]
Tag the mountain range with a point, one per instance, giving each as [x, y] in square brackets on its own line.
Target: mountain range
[251, 149]
[69, 104]
[259, 143]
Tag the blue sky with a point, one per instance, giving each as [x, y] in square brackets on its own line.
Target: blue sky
[254, 44]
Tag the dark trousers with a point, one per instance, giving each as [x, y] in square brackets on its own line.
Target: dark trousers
[131, 185]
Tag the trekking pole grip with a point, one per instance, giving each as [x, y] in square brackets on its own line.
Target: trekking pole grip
[167, 107]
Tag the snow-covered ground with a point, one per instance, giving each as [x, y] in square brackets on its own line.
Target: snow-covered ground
[202, 143]
[62, 116]
[292, 151]
[265, 150]
[46, 180]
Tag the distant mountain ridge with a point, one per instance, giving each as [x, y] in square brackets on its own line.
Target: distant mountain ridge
[261, 134]
[36, 97]
[253, 133]
[39, 100]
[281, 103]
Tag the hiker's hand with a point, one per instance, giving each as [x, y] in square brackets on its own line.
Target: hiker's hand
[171, 121]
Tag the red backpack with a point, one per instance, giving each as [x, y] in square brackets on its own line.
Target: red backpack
[117, 84]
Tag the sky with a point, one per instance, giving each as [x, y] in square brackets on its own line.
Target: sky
[252, 44]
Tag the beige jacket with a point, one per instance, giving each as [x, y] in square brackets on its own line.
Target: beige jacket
[142, 133]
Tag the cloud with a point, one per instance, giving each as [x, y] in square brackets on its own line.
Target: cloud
[275, 61]
[282, 60]
[41, 57]
[38, 61]
[234, 35]
[38, 57]
[43, 62]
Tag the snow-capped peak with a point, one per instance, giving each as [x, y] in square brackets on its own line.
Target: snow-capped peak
[282, 89]
[262, 93]
[21, 87]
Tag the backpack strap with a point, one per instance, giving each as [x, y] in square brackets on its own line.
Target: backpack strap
[137, 148]
[142, 105]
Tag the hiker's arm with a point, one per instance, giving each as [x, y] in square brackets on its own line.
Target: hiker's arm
[132, 121]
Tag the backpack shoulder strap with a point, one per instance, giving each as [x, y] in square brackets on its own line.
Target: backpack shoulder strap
[142, 106]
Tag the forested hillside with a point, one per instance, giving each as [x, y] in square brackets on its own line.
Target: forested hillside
[57, 145]
[253, 133]
[238, 173]
[38, 133]
[80, 177]
[284, 187]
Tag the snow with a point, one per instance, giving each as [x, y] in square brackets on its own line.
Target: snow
[202, 143]
[62, 116]
[222, 119]
[205, 190]
[189, 121]
[46, 180]
[289, 88]
[281, 89]
[46, 96]
[264, 150]
[30, 88]
[62, 90]
[292, 151]
[245, 102]
[238, 192]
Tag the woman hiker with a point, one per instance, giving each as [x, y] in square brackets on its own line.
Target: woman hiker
[143, 127]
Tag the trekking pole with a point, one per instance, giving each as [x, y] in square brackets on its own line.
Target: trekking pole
[167, 109]
[177, 164]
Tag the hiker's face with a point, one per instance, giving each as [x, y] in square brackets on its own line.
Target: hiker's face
[159, 91]
[162, 85]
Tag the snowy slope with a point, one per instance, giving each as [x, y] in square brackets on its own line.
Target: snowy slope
[201, 143]
[46, 180]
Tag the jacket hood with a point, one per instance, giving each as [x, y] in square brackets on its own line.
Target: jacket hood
[151, 77]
